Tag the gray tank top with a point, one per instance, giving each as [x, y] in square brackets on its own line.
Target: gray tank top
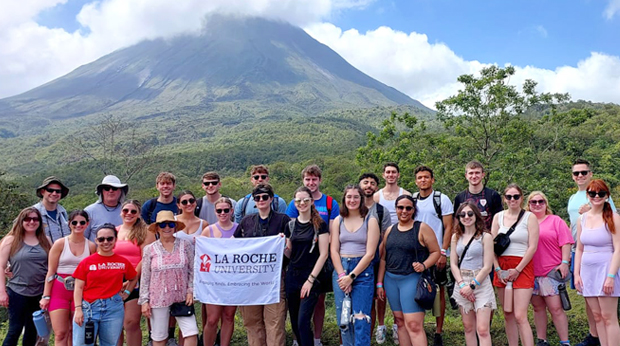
[474, 258]
[29, 267]
[353, 243]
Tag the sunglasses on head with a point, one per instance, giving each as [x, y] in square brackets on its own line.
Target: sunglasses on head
[170, 224]
[104, 239]
[31, 219]
[261, 197]
[50, 190]
[593, 194]
[75, 223]
[207, 183]
[261, 176]
[109, 188]
[222, 211]
[515, 197]
[469, 213]
[537, 201]
[305, 200]
[188, 201]
[405, 207]
[584, 173]
[130, 211]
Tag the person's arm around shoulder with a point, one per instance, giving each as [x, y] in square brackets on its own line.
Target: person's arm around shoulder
[52, 265]
[382, 264]
[427, 239]
[5, 249]
[609, 285]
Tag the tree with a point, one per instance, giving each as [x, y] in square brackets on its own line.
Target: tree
[12, 201]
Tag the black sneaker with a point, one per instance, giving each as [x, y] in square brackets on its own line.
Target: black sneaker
[542, 342]
[437, 340]
[590, 341]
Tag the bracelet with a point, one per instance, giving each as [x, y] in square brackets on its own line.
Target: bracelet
[78, 306]
[517, 270]
[341, 275]
[311, 282]
[462, 284]
[565, 262]
[424, 265]
[46, 297]
[476, 282]
[312, 276]
[444, 252]
[127, 292]
[497, 269]
[379, 284]
[611, 275]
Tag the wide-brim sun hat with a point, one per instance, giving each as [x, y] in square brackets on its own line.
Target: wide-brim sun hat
[53, 180]
[165, 216]
[112, 180]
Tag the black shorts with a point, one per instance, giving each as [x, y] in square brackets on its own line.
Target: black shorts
[440, 276]
[135, 294]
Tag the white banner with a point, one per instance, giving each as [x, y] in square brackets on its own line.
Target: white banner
[238, 271]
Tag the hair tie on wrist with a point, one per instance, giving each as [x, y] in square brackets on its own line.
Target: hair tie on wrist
[611, 275]
[565, 262]
[476, 282]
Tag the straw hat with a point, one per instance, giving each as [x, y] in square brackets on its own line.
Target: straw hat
[165, 216]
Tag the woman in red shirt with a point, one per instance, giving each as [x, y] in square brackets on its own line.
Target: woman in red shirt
[97, 295]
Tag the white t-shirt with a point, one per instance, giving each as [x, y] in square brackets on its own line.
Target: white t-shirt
[425, 212]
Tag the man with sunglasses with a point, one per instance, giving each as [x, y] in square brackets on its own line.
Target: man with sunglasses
[427, 204]
[578, 204]
[246, 206]
[111, 195]
[54, 216]
[205, 206]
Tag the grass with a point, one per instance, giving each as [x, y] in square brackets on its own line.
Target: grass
[453, 330]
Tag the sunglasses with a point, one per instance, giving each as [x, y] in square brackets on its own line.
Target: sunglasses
[469, 213]
[261, 176]
[537, 201]
[31, 219]
[593, 194]
[515, 197]
[170, 224]
[222, 211]
[258, 198]
[207, 183]
[75, 223]
[305, 200]
[109, 188]
[407, 208]
[104, 239]
[188, 201]
[130, 211]
[50, 190]
[576, 173]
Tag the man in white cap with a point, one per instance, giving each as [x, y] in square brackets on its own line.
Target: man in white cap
[107, 209]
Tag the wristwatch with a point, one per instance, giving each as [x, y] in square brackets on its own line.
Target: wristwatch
[352, 276]
[472, 285]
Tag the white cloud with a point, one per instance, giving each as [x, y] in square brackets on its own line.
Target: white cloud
[612, 8]
[541, 31]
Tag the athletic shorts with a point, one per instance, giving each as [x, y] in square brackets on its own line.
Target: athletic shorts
[61, 298]
[400, 291]
[524, 280]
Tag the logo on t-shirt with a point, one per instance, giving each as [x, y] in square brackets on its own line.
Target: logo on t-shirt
[92, 267]
[205, 265]
[111, 265]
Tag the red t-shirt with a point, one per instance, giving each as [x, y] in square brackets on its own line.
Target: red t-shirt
[103, 275]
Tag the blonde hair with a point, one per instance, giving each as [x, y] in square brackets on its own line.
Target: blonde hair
[548, 211]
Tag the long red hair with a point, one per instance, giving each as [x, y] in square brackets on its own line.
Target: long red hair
[598, 185]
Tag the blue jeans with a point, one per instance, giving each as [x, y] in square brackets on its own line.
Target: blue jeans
[107, 314]
[20, 317]
[362, 293]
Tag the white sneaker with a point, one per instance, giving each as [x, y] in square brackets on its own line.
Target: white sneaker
[394, 335]
[317, 342]
[380, 334]
[295, 343]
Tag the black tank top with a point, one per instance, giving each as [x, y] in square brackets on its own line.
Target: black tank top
[400, 250]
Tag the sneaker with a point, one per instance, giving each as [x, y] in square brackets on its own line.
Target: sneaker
[150, 343]
[395, 334]
[437, 340]
[171, 342]
[295, 343]
[317, 342]
[380, 334]
[542, 342]
[590, 341]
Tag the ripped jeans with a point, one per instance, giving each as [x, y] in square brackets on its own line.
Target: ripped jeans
[362, 293]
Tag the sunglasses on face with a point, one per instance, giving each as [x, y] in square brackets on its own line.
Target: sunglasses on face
[304, 200]
[104, 239]
[593, 194]
[109, 188]
[261, 176]
[537, 201]
[31, 219]
[188, 201]
[50, 190]
[170, 224]
[405, 207]
[515, 197]
[258, 198]
[222, 211]
[576, 173]
[469, 213]
[207, 183]
[130, 211]
[75, 223]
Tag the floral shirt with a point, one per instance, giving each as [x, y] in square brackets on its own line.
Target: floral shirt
[167, 277]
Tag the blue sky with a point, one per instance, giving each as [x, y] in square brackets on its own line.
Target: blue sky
[567, 46]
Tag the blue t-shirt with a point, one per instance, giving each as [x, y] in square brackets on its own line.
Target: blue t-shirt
[321, 207]
[150, 217]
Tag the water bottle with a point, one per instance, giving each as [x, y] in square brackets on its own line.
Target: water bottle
[89, 333]
[40, 323]
[345, 315]
[437, 304]
[564, 297]
[508, 297]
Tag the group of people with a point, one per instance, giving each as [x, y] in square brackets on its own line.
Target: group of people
[98, 270]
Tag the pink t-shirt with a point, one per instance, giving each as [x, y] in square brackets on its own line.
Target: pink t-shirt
[554, 233]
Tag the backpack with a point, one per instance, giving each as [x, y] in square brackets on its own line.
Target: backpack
[149, 212]
[246, 200]
[380, 212]
[199, 206]
[436, 204]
